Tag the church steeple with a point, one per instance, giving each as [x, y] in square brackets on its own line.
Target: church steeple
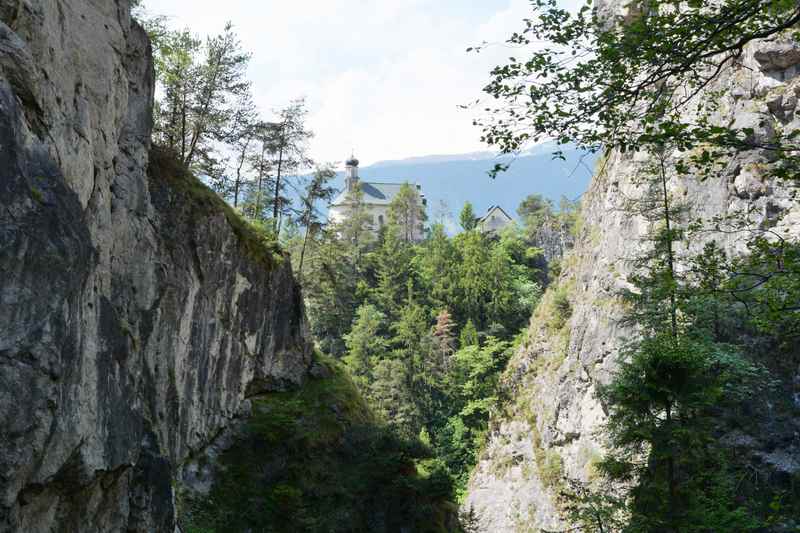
[351, 174]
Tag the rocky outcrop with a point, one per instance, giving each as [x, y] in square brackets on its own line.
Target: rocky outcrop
[552, 428]
[137, 314]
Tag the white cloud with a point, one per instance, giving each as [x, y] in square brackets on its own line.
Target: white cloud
[382, 77]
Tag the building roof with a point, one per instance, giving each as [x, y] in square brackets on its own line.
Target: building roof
[375, 193]
[491, 210]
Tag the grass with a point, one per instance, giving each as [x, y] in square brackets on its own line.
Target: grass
[257, 241]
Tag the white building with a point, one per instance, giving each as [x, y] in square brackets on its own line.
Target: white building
[494, 220]
[376, 198]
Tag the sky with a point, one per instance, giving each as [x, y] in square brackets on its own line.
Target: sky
[383, 78]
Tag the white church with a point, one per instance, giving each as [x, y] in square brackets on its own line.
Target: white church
[376, 198]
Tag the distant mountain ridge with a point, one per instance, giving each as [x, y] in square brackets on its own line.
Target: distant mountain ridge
[539, 149]
[456, 179]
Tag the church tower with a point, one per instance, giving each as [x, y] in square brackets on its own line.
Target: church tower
[351, 174]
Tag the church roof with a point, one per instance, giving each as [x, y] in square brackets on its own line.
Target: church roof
[375, 193]
[494, 209]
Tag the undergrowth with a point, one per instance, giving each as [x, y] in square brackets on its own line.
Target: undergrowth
[316, 460]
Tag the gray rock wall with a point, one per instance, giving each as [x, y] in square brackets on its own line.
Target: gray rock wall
[132, 326]
[552, 428]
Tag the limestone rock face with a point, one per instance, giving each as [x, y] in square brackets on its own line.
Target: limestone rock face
[132, 329]
[553, 428]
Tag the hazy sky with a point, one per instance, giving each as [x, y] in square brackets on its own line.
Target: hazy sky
[383, 77]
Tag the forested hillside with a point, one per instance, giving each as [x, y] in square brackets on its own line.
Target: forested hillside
[426, 328]
[189, 345]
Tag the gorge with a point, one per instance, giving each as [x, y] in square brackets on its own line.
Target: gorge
[159, 372]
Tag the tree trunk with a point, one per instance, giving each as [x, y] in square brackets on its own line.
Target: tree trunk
[239, 173]
[183, 126]
[670, 252]
[276, 205]
[303, 253]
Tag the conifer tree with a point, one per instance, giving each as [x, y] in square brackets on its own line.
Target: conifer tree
[407, 213]
[220, 81]
[365, 346]
[474, 288]
[467, 217]
[355, 231]
[435, 264]
[394, 270]
[469, 335]
[288, 147]
[242, 140]
[671, 381]
[317, 190]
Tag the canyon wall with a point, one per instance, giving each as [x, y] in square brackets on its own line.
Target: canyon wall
[137, 314]
[552, 428]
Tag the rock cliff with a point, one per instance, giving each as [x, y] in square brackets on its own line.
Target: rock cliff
[137, 314]
[551, 429]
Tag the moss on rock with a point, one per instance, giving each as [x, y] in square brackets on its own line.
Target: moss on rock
[257, 241]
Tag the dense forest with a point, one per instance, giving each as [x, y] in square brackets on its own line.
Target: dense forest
[426, 328]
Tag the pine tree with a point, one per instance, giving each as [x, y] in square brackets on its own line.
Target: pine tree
[318, 190]
[176, 67]
[407, 213]
[288, 147]
[220, 81]
[469, 335]
[394, 271]
[242, 141]
[411, 339]
[365, 346]
[467, 217]
[392, 398]
[435, 264]
[355, 229]
[474, 285]
[331, 288]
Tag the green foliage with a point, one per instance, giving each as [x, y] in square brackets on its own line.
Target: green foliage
[314, 460]
[364, 345]
[535, 211]
[407, 214]
[562, 309]
[394, 271]
[467, 217]
[674, 380]
[469, 335]
[318, 190]
[435, 265]
[400, 306]
[594, 80]
[471, 387]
